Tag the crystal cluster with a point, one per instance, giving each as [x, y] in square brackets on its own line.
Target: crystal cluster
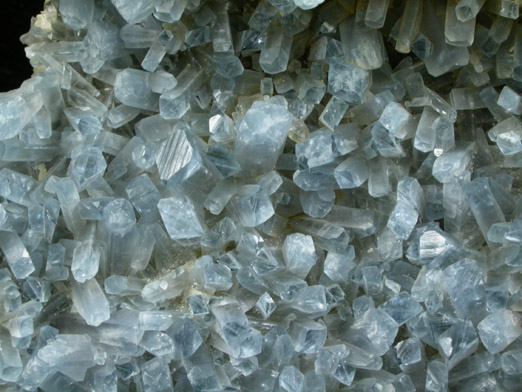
[264, 196]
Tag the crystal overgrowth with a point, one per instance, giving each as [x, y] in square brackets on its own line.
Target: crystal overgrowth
[273, 195]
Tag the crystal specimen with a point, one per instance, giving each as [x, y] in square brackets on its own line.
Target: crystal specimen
[276, 51]
[347, 81]
[90, 301]
[261, 136]
[308, 336]
[410, 355]
[180, 218]
[16, 255]
[72, 355]
[85, 263]
[299, 253]
[458, 342]
[239, 339]
[466, 288]
[499, 329]
[374, 331]
[132, 88]
[402, 220]
[294, 195]
[351, 173]
[402, 308]
[118, 216]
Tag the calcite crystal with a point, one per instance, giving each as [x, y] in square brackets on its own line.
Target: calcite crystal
[272, 195]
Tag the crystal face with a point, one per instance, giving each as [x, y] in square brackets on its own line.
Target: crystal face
[273, 195]
[261, 136]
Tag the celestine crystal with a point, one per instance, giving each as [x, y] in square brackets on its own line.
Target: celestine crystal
[264, 196]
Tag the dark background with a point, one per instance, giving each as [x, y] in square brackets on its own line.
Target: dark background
[15, 21]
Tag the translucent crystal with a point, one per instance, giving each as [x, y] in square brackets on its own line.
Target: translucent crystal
[458, 32]
[122, 285]
[142, 193]
[362, 46]
[77, 14]
[317, 204]
[453, 164]
[347, 81]
[308, 336]
[16, 255]
[16, 187]
[333, 112]
[72, 355]
[338, 266]
[85, 263]
[351, 173]
[186, 337]
[410, 355]
[483, 204]
[14, 114]
[265, 305]
[409, 25]
[466, 288]
[168, 286]
[394, 118]
[264, 128]
[132, 88]
[118, 216]
[299, 253]
[156, 375]
[239, 338]
[307, 4]
[468, 9]
[402, 220]
[402, 308]
[458, 342]
[276, 51]
[511, 362]
[316, 150]
[212, 276]
[374, 331]
[436, 377]
[291, 380]
[498, 330]
[133, 12]
[510, 101]
[252, 206]
[180, 218]
[90, 301]
[87, 166]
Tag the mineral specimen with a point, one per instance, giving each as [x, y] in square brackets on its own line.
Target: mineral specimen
[272, 195]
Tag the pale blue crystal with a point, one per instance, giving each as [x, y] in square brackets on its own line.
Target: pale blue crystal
[347, 81]
[308, 336]
[264, 128]
[465, 282]
[498, 330]
[86, 261]
[291, 380]
[181, 218]
[402, 220]
[316, 150]
[132, 88]
[87, 166]
[265, 305]
[374, 331]
[351, 173]
[402, 308]
[240, 339]
[299, 254]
